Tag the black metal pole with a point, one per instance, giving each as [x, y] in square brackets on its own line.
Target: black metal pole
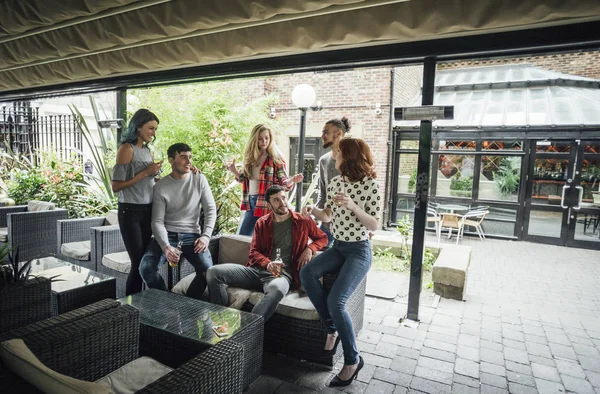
[300, 158]
[121, 109]
[421, 195]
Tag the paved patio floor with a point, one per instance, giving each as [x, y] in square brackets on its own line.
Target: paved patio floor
[530, 324]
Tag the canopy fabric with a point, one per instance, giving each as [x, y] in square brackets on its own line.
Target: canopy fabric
[51, 42]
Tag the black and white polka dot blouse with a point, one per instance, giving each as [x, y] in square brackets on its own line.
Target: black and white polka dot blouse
[345, 225]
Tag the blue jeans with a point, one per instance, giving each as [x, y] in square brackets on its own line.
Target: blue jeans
[154, 257]
[352, 260]
[329, 236]
[249, 220]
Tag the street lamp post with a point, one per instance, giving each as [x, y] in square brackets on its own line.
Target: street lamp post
[303, 97]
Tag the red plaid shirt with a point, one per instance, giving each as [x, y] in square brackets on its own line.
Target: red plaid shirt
[270, 174]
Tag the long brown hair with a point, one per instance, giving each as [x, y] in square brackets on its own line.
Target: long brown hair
[251, 152]
[357, 161]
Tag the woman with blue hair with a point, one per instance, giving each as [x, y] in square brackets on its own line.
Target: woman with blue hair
[133, 179]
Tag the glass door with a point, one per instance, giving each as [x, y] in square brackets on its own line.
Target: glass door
[562, 181]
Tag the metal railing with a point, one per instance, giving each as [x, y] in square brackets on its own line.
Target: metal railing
[27, 133]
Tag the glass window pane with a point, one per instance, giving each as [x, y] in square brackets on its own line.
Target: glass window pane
[409, 144]
[587, 225]
[495, 109]
[455, 176]
[538, 111]
[549, 176]
[462, 145]
[516, 108]
[500, 221]
[500, 178]
[545, 223]
[502, 145]
[553, 146]
[590, 180]
[407, 172]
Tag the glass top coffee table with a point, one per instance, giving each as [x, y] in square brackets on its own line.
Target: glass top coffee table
[74, 286]
[164, 314]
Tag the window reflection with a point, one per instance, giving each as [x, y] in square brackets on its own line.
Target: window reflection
[500, 178]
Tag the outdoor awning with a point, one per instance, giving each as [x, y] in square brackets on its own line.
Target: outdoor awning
[509, 96]
[53, 42]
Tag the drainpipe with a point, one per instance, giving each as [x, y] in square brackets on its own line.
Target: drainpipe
[388, 206]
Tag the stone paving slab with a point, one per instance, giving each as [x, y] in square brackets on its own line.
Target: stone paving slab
[530, 324]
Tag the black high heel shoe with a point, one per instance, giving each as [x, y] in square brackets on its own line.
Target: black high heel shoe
[331, 352]
[337, 382]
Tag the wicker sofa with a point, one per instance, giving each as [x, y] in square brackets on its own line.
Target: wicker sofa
[93, 341]
[74, 238]
[30, 227]
[295, 329]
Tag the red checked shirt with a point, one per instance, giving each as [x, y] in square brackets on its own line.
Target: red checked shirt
[270, 174]
[303, 229]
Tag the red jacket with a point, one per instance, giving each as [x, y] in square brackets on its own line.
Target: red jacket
[303, 228]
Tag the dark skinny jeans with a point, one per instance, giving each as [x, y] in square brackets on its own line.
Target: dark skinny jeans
[134, 223]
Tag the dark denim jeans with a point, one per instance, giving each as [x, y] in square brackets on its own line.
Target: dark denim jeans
[352, 260]
[154, 257]
[134, 223]
[249, 220]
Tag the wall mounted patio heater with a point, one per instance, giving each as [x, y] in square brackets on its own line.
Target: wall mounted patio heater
[424, 112]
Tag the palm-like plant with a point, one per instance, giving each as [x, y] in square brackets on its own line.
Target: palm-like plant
[11, 273]
[102, 178]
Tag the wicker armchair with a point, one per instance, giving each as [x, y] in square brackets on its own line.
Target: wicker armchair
[93, 344]
[33, 232]
[107, 240]
[76, 230]
[24, 303]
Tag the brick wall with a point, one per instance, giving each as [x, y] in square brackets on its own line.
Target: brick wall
[350, 93]
[584, 64]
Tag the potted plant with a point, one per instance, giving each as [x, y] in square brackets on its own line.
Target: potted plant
[24, 299]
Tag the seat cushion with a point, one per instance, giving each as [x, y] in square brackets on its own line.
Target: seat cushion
[237, 296]
[234, 249]
[76, 250]
[117, 261]
[35, 206]
[111, 217]
[134, 375]
[3, 234]
[295, 304]
[17, 358]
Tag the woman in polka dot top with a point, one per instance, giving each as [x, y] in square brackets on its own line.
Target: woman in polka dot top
[352, 207]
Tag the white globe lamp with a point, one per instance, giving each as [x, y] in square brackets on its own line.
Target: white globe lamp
[303, 95]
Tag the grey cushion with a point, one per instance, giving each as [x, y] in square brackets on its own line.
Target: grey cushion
[36, 206]
[117, 261]
[134, 375]
[234, 249]
[112, 217]
[295, 304]
[76, 250]
[3, 234]
[17, 357]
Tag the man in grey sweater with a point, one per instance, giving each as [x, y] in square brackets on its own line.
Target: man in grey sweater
[176, 206]
[333, 131]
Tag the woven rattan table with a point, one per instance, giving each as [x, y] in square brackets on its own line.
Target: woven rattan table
[164, 315]
[77, 286]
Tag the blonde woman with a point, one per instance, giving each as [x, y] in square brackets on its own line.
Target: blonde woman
[263, 166]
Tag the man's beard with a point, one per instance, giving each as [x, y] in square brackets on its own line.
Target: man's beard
[327, 144]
